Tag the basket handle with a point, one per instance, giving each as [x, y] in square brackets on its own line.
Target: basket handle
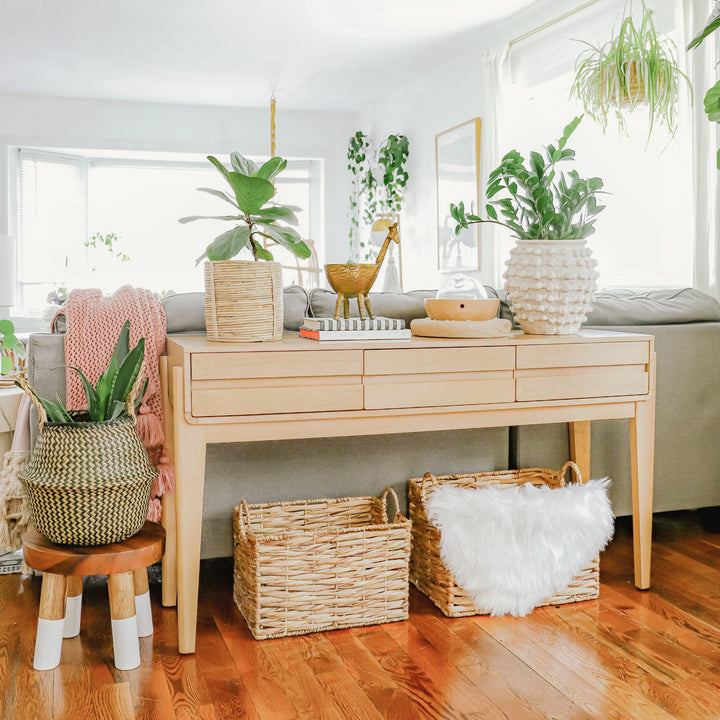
[244, 518]
[429, 478]
[30, 391]
[575, 469]
[385, 505]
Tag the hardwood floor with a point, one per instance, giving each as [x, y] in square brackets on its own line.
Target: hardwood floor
[642, 655]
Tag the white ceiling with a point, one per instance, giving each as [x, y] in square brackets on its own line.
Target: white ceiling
[314, 54]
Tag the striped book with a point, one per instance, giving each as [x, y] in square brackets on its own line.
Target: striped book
[327, 324]
[10, 561]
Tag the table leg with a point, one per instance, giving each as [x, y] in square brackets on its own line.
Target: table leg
[169, 560]
[580, 446]
[51, 619]
[126, 648]
[73, 606]
[189, 484]
[642, 452]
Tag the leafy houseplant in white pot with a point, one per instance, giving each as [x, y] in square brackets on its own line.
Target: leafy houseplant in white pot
[551, 276]
[635, 67]
[243, 299]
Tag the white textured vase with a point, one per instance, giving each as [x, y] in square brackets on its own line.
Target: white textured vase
[550, 285]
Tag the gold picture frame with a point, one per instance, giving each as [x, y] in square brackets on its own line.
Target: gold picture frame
[457, 166]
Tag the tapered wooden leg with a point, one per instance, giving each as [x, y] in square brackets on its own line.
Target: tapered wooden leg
[338, 305]
[369, 308]
[346, 307]
[51, 619]
[190, 483]
[361, 305]
[124, 623]
[580, 446]
[169, 561]
[143, 611]
[73, 606]
[642, 455]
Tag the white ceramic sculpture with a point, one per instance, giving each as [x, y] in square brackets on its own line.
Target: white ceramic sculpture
[550, 285]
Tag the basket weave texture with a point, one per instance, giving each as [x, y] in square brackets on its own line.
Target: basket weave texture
[429, 574]
[88, 483]
[314, 565]
[243, 301]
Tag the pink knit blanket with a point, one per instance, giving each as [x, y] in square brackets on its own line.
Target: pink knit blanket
[93, 326]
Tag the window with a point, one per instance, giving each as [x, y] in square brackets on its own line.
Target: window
[642, 238]
[64, 199]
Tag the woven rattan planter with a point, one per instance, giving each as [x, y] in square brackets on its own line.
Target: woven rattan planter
[89, 483]
[427, 571]
[243, 301]
[314, 565]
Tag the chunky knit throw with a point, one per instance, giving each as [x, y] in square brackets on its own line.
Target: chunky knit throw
[93, 325]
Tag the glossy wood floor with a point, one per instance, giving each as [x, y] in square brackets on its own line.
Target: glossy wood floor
[642, 655]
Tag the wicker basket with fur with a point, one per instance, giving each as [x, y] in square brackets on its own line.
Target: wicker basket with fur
[427, 571]
[314, 565]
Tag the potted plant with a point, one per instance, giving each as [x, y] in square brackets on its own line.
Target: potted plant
[11, 348]
[89, 477]
[551, 274]
[243, 299]
[634, 67]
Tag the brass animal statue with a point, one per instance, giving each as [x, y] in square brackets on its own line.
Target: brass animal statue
[351, 280]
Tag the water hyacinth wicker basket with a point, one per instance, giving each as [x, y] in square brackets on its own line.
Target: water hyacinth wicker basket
[88, 483]
[314, 565]
[429, 574]
[243, 301]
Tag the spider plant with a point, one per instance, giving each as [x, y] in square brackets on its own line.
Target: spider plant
[635, 67]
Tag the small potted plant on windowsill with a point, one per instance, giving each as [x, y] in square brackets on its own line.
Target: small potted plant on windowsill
[244, 299]
[635, 67]
[11, 350]
[551, 277]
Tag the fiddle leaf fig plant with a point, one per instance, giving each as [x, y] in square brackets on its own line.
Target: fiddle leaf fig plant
[538, 202]
[257, 217]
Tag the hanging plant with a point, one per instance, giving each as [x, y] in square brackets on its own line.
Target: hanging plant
[635, 67]
[378, 184]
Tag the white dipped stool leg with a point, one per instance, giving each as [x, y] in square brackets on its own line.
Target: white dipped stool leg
[124, 623]
[51, 619]
[143, 611]
[73, 606]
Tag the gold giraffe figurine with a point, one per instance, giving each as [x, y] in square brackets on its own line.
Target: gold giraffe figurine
[351, 280]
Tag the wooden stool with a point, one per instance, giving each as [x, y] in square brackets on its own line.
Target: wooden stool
[125, 563]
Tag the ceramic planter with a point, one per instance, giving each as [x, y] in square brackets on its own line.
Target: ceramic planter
[550, 285]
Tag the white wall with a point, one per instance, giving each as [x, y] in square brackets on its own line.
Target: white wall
[110, 125]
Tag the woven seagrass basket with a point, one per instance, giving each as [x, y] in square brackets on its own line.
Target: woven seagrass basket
[315, 565]
[89, 483]
[429, 574]
[243, 301]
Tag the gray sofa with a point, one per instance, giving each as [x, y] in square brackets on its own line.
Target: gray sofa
[686, 325]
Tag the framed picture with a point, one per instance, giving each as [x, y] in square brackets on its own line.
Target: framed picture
[457, 161]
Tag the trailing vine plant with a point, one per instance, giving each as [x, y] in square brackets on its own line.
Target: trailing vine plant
[379, 182]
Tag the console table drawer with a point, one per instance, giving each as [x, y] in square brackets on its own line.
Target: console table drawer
[283, 364]
[439, 393]
[593, 383]
[440, 360]
[582, 355]
[215, 402]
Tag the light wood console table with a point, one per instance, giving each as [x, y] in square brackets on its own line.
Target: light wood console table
[298, 388]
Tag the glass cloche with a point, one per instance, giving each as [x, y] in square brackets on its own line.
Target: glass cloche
[463, 287]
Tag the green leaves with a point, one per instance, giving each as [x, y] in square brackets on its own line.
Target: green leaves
[537, 201]
[252, 191]
[712, 25]
[9, 342]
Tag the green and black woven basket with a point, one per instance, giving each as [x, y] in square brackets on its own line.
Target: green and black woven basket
[88, 483]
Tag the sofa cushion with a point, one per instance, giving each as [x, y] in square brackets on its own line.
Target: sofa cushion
[667, 306]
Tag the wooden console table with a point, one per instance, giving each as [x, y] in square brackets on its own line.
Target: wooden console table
[297, 388]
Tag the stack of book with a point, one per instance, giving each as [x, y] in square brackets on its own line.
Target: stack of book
[380, 328]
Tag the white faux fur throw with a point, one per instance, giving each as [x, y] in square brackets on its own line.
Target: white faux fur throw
[511, 548]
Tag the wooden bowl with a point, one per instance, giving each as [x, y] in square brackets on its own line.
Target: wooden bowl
[458, 309]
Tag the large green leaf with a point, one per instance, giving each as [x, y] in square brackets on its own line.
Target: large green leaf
[6, 327]
[279, 212]
[223, 170]
[251, 192]
[122, 346]
[243, 165]
[193, 218]
[6, 365]
[127, 374]
[91, 395]
[271, 168]
[219, 194]
[263, 253]
[227, 245]
[712, 25]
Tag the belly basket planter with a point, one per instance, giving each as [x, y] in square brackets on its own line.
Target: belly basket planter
[243, 301]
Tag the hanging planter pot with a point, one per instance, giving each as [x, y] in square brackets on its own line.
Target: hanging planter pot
[243, 301]
[550, 285]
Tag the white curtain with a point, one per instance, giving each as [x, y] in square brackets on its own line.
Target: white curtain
[495, 78]
[703, 73]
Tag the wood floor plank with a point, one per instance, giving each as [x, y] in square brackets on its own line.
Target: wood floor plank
[113, 702]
